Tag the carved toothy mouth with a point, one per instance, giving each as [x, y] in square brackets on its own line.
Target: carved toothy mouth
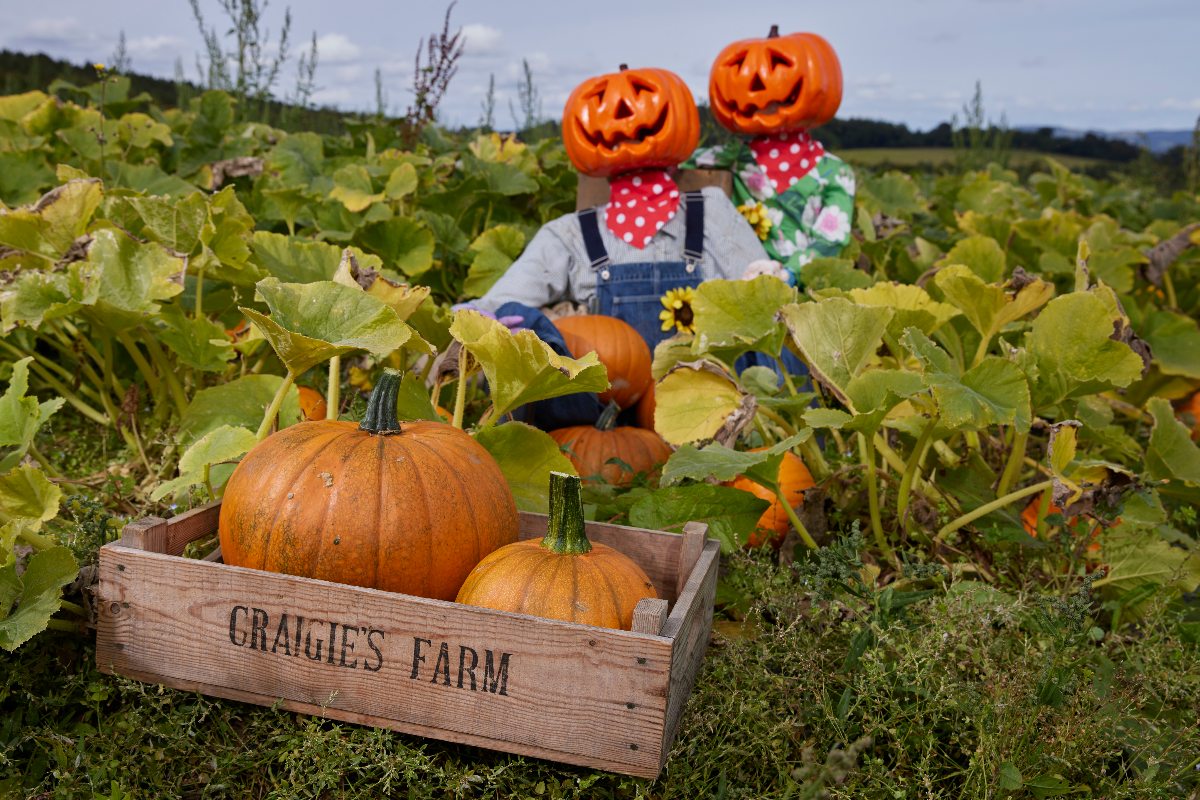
[753, 109]
[612, 141]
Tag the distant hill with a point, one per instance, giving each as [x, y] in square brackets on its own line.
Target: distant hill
[1156, 141]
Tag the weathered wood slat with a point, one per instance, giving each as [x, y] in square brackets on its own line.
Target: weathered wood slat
[572, 693]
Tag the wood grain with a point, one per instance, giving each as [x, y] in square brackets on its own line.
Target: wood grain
[192, 525]
[594, 191]
[593, 693]
[694, 535]
[649, 615]
[147, 533]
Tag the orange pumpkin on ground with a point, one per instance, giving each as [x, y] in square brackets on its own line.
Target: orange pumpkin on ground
[591, 447]
[562, 576]
[1029, 521]
[645, 410]
[629, 120]
[620, 348]
[773, 525]
[312, 404]
[1190, 407]
[776, 84]
[407, 507]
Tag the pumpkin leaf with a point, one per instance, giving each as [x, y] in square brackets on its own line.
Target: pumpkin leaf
[172, 222]
[48, 228]
[293, 260]
[241, 402]
[697, 400]
[731, 514]
[39, 589]
[402, 298]
[989, 306]
[412, 400]
[28, 498]
[982, 255]
[1071, 346]
[130, 277]
[741, 314]
[312, 322]
[526, 456]
[1171, 453]
[1174, 342]
[403, 244]
[493, 251]
[199, 342]
[38, 296]
[913, 307]
[220, 445]
[836, 338]
[402, 182]
[21, 416]
[352, 188]
[520, 367]
[722, 463]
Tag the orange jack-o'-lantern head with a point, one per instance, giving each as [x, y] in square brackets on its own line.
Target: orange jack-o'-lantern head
[776, 84]
[629, 120]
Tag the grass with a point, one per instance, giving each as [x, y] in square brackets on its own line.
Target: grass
[945, 156]
[819, 686]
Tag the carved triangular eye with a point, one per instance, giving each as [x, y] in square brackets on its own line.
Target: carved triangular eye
[737, 60]
[639, 87]
[780, 60]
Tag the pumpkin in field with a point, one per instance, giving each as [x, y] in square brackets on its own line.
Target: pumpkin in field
[407, 507]
[620, 348]
[794, 479]
[312, 404]
[645, 410]
[1188, 411]
[591, 447]
[562, 576]
[628, 120]
[776, 84]
[1029, 521]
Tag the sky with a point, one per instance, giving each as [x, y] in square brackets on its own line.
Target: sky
[1112, 65]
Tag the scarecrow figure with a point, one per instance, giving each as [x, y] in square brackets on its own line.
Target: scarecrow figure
[635, 257]
[799, 198]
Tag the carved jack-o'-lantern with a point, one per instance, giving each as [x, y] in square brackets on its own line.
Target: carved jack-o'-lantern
[628, 120]
[776, 84]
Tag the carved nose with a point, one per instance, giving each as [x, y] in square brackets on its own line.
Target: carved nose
[623, 110]
[757, 85]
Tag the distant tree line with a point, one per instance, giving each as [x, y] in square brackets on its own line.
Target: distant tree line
[21, 72]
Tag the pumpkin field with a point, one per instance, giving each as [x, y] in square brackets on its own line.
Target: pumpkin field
[953, 473]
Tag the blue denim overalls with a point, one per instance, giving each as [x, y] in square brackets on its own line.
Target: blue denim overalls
[631, 292]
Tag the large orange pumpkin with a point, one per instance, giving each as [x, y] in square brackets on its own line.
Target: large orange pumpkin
[773, 525]
[776, 84]
[591, 447]
[629, 120]
[407, 507]
[620, 348]
[562, 576]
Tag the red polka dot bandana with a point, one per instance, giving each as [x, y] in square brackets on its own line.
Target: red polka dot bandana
[786, 157]
[639, 204]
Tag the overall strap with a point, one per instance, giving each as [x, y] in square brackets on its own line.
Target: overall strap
[589, 225]
[693, 239]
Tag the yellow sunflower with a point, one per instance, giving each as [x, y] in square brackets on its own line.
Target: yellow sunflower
[677, 309]
[756, 215]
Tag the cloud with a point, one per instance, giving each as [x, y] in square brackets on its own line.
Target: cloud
[481, 40]
[336, 48]
[151, 46]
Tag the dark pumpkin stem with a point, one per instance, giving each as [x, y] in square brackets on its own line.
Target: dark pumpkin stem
[608, 417]
[623, 67]
[381, 415]
[565, 532]
[774, 34]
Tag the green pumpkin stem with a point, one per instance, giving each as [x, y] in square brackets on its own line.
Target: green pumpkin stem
[608, 417]
[381, 415]
[565, 532]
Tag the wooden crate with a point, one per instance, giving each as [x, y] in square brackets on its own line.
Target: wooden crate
[573, 693]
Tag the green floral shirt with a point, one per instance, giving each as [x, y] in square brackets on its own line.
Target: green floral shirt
[809, 219]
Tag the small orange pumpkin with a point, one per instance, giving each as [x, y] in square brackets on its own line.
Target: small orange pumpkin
[312, 404]
[591, 447]
[620, 348]
[776, 84]
[1190, 407]
[645, 410]
[562, 576]
[773, 525]
[407, 507]
[1029, 521]
[629, 120]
